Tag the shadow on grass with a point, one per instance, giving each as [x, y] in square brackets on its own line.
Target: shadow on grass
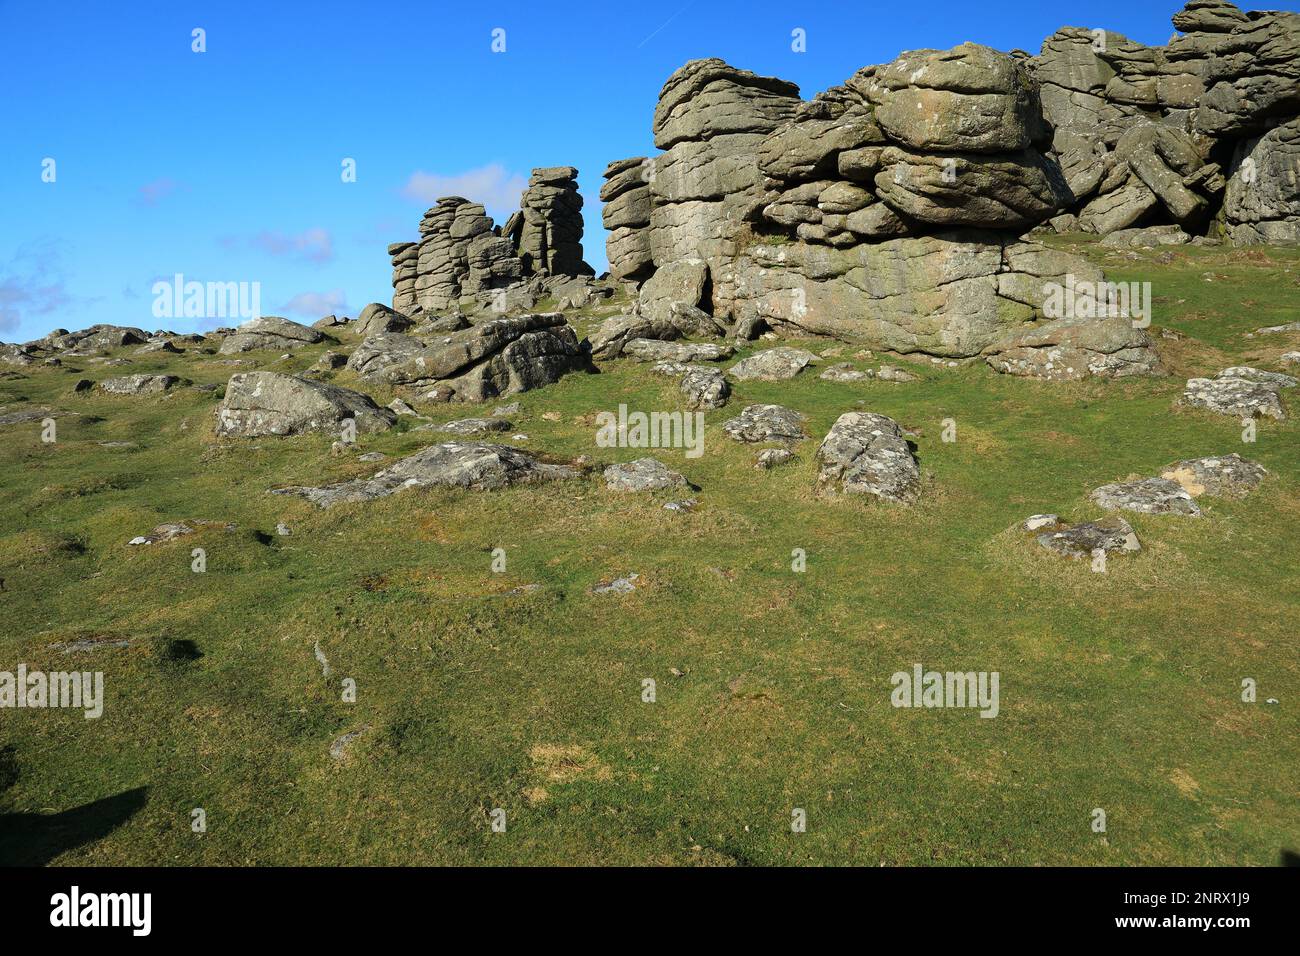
[34, 839]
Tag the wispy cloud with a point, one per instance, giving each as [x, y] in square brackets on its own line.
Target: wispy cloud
[32, 284]
[151, 194]
[311, 245]
[491, 185]
[318, 304]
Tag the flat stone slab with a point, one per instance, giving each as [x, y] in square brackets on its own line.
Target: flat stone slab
[644, 474]
[475, 466]
[1150, 496]
[1238, 397]
[1110, 535]
[655, 350]
[1227, 476]
[763, 423]
[1259, 376]
[867, 454]
[138, 384]
[845, 372]
[772, 365]
[469, 426]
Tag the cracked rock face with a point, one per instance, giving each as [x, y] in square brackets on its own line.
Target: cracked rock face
[270, 332]
[1226, 476]
[764, 423]
[495, 358]
[1069, 350]
[1235, 395]
[772, 365]
[867, 454]
[138, 384]
[470, 465]
[268, 403]
[1109, 535]
[644, 474]
[1151, 496]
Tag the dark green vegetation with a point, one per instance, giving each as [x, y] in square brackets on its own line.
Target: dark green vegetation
[1118, 690]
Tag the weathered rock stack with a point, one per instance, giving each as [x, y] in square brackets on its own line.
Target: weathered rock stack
[626, 195]
[1150, 135]
[462, 257]
[550, 239]
[892, 209]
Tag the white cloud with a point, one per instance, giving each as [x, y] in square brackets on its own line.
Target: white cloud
[490, 185]
[318, 304]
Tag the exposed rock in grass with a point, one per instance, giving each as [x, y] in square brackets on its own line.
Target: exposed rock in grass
[1069, 350]
[891, 373]
[1238, 397]
[268, 403]
[769, 458]
[138, 384]
[845, 372]
[470, 465]
[763, 423]
[342, 744]
[270, 332]
[653, 350]
[624, 585]
[643, 474]
[469, 426]
[865, 453]
[1110, 535]
[1035, 522]
[1226, 476]
[1152, 496]
[1146, 238]
[705, 388]
[772, 365]
[1259, 376]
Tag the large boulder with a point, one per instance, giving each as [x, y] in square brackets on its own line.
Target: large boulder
[1262, 201]
[867, 454]
[498, 357]
[1071, 349]
[268, 403]
[377, 317]
[270, 332]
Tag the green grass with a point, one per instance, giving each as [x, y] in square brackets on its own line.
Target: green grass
[1118, 690]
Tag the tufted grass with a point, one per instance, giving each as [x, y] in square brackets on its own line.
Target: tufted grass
[1119, 691]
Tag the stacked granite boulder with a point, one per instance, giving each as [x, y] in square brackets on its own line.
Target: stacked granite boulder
[892, 209]
[463, 260]
[1153, 135]
[550, 238]
[626, 195]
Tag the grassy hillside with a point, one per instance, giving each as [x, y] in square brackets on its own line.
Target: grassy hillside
[1118, 690]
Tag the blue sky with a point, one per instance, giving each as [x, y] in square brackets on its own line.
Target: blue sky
[225, 165]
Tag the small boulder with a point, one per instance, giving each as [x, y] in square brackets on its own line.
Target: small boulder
[1226, 476]
[1151, 496]
[705, 388]
[644, 474]
[866, 453]
[138, 384]
[268, 403]
[772, 365]
[1112, 534]
[764, 423]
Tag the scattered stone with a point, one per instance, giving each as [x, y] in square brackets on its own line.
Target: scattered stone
[1258, 376]
[332, 360]
[1111, 534]
[469, 465]
[1035, 522]
[845, 372]
[1152, 496]
[705, 388]
[138, 384]
[769, 458]
[505, 411]
[282, 530]
[624, 585]
[342, 744]
[764, 423]
[891, 373]
[399, 407]
[1226, 476]
[866, 453]
[686, 505]
[1290, 358]
[772, 365]
[469, 426]
[1238, 397]
[644, 474]
[371, 456]
[1146, 238]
